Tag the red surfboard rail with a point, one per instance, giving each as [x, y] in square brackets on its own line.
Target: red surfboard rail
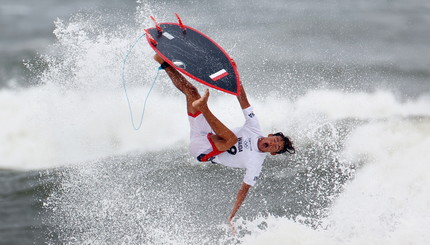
[222, 74]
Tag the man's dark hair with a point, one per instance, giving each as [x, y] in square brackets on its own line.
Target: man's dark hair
[288, 144]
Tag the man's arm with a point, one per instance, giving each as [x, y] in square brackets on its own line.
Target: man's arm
[243, 100]
[241, 195]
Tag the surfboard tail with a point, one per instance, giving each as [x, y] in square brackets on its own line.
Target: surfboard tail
[150, 39]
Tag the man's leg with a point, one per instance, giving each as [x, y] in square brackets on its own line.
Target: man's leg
[191, 93]
[224, 138]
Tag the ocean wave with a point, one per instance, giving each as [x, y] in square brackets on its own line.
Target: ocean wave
[44, 127]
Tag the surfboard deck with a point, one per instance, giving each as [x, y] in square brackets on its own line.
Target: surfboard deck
[195, 55]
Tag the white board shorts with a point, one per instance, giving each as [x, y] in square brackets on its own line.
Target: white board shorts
[201, 147]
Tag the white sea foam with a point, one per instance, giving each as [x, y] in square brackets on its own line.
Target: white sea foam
[46, 126]
[386, 203]
[380, 104]
[80, 113]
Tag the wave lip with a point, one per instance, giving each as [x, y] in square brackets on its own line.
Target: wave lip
[381, 104]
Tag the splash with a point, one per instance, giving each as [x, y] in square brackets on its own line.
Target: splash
[385, 203]
[143, 188]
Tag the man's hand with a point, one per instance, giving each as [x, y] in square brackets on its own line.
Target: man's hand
[241, 195]
[243, 100]
[230, 221]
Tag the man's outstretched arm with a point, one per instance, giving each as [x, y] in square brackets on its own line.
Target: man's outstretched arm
[243, 100]
[241, 195]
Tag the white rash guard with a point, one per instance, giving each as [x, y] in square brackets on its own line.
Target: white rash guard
[245, 153]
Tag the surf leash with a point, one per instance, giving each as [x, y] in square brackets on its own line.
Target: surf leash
[125, 87]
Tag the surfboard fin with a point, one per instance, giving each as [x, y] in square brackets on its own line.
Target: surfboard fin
[184, 30]
[160, 31]
[151, 39]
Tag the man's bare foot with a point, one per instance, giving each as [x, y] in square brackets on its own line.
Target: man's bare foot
[158, 59]
[202, 103]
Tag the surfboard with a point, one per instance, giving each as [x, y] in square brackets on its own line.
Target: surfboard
[195, 55]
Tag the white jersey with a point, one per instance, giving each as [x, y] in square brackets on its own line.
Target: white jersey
[245, 153]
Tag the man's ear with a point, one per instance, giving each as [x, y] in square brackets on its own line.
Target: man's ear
[269, 135]
[273, 153]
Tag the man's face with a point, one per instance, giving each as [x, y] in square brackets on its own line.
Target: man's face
[271, 144]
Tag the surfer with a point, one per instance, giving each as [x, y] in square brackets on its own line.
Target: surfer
[211, 140]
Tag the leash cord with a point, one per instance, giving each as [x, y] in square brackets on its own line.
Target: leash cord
[125, 87]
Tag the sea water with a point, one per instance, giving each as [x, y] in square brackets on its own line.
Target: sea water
[347, 81]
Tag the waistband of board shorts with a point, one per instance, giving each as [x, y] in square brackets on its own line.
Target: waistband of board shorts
[195, 114]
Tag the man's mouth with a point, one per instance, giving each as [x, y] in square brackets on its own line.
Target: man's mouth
[265, 145]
